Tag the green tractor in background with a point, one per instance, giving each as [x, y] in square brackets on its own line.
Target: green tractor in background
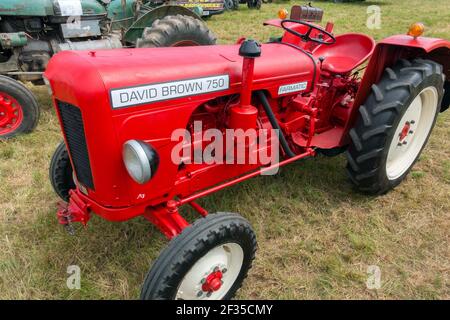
[31, 32]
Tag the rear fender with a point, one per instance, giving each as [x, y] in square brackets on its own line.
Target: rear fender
[387, 53]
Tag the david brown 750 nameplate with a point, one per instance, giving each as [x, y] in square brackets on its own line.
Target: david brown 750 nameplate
[133, 96]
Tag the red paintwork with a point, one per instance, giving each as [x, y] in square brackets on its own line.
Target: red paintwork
[11, 114]
[424, 43]
[320, 116]
[243, 115]
[349, 52]
[77, 210]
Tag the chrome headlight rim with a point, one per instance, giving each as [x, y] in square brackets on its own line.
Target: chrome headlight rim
[146, 158]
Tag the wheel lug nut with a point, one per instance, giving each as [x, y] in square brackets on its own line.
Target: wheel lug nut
[399, 144]
[216, 269]
[412, 122]
[411, 132]
[404, 142]
[209, 294]
[224, 270]
[199, 294]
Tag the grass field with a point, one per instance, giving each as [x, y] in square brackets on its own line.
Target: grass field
[316, 235]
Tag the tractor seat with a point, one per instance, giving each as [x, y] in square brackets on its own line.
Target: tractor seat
[349, 51]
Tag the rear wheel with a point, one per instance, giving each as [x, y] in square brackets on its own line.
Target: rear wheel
[19, 110]
[446, 100]
[394, 125]
[176, 31]
[208, 261]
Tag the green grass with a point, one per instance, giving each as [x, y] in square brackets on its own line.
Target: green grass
[316, 235]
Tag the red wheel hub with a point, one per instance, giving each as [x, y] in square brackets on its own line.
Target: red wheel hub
[405, 131]
[11, 114]
[213, 282]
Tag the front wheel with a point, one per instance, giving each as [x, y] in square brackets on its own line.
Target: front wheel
[61, 172]
[394, 125]
[208, 261]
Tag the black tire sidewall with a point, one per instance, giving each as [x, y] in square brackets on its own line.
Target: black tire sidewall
[28, 104]
[61, 172]
[446, 100]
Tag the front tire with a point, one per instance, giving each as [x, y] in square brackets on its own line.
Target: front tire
[176, 31]
[19, 110]
[208, 261]
[61, 172]
[394, 125]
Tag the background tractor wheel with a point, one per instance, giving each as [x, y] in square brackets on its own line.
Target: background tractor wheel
[207, 261]
[394, 125]
[228, 4]
[61, 173]
[235, 5]
[254, 4]
[176, 31]
[19, 110]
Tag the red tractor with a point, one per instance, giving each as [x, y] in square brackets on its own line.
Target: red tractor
[119, 110]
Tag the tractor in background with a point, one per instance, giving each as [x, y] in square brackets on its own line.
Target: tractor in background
[234, 4]
[31, 32]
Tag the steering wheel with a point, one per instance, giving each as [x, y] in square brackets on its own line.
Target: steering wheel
[307, 36]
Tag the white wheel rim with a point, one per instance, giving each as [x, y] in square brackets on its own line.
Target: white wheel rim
[226, 258]
[411, 133]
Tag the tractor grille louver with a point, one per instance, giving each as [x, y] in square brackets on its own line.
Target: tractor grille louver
[72, 123]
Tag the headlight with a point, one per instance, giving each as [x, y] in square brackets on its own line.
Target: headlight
[140, 159]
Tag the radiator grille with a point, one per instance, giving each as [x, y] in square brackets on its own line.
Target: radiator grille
[72, 123]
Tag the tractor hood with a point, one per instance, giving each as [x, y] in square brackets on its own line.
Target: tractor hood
[117, 70]
[105, 98]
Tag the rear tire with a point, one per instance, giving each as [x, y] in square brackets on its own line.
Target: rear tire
[394, 125]
[220, 243]
[19, 110]
[61, 172]
[176, 31]
[446, 100]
